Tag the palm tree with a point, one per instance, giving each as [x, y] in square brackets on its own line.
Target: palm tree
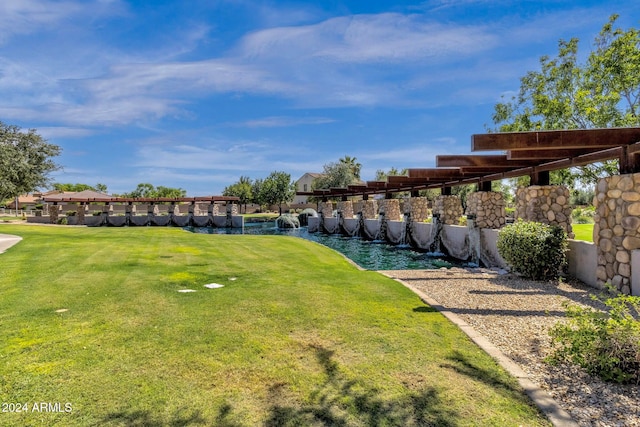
[353, 165]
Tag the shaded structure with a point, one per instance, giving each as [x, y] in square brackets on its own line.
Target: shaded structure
[527, 153]
[535, 154]
[176, 211]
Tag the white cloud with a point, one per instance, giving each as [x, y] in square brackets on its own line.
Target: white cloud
[281, 121]
[382, 38]
[19, 17]
[64, 132]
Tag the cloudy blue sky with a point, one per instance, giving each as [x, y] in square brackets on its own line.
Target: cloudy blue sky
[194, 94]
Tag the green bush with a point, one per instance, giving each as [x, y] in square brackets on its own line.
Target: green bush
[71, 213]
[535, 250]
[583, 215]
[606, 344]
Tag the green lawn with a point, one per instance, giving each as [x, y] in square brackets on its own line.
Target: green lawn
[583, 232]
[92, 318]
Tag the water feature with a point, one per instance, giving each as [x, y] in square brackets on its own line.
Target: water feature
[371, 255]
[436, 229]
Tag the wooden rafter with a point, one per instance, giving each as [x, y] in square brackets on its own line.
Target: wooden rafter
[555, 139]
[470, 161]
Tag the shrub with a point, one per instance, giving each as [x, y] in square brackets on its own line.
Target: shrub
[606, 344]
[583, 215]
[535, 250]
[71, 213]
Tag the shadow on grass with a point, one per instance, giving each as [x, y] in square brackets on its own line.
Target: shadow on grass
[339, 401]
[501, 383]
[152, 419]
[424, 309]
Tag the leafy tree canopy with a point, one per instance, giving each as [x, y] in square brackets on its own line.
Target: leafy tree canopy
[277, 188]
[242, 189]
[148, 190]
[25, 161]
[602, 92]
[382, 175]
[338, 174]
[79, 187]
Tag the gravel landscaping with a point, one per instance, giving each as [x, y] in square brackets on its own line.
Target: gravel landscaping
[515, 315]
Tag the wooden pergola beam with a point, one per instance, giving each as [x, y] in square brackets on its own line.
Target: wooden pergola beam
[471, 161]
[555, 139]
[548, 154]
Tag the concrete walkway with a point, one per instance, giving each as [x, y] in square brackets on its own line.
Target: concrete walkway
[8, 240]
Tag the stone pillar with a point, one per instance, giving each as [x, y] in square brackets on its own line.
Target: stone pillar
[419, 209]
[488, 209]
[370, 209]
[391, 209]
[346, 207]
[80, 214]
[358, 206]
[449, 208]
[53, 213]
[547, 204]
[617, 228]
[232, 209]
[326, 209]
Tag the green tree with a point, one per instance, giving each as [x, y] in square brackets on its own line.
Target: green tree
[147, 190]
[352, 163]
[382, 175]
[72, 187]
[101, 188]
[278, 188]
[241, 189]
[565, 94]
[25, 161]
[162, 191]
[339, 174]
[256, 192]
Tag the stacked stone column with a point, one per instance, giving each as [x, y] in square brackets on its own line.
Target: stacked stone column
[449, 208]
[369, 209]
[232, 209]
[80, 214]
[326, 209]
[346, 207]
[391, 209]
[53, 214]
[419, 209]
[617, 228]
[358, 206]
[547, 204]
[488, 209]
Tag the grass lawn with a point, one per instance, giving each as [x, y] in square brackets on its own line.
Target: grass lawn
[4, 218]
[92, 318]
[583, 232]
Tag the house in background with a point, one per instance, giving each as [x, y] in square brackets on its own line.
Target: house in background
[28, 201]
[305, 183]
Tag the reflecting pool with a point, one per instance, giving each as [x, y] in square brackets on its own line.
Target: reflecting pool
[370, 255]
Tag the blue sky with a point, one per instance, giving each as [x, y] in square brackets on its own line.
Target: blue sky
[195, 94]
